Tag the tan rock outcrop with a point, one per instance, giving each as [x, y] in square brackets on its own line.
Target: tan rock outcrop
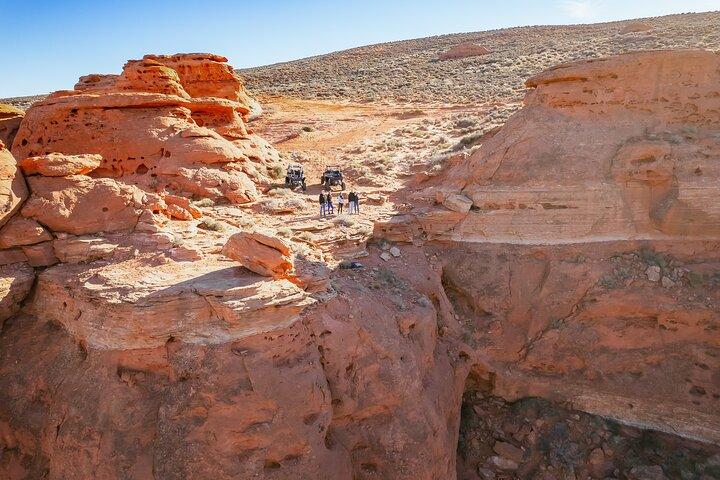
[13, 190]
[463, 50]
[10, 118]
[59, 165]
[80, 205]
[167, 122]
[134, 303]
[260, 252]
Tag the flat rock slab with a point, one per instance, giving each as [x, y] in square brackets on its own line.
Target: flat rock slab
[143, 303]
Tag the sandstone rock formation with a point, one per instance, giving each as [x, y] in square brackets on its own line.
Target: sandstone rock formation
[616, 148]
[463, 50]
[167, 122]
[260, 252]
[10, 118]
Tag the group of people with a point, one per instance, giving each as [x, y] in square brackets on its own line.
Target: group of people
[327, 207]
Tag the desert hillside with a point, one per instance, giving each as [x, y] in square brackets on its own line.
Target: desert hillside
[528, 289]
[411, 72]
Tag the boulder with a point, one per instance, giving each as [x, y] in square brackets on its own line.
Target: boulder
[457, 203]
[13, 190]
[22, 231]
[59, 165]
[260, 252]
[81, 205]
[40, 254]
[173, 123]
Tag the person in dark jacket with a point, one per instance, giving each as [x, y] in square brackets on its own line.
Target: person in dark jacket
[351, 202]
[322, 204]
[328, 202]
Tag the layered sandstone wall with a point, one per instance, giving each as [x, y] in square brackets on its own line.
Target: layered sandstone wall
[608, 149]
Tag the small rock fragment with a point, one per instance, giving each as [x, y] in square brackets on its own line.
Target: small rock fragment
[653, 273]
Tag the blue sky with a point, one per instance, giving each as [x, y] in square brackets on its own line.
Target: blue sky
[49, 44]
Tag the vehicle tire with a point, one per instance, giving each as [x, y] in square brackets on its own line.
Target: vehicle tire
[304, 187]
[342, 185]
[287, 182]
[327, 184]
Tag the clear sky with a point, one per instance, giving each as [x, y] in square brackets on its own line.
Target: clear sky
[48, 44]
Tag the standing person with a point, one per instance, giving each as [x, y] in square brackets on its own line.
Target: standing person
[357, 203]
[351, 202]
[328, 201]
[341, 202]
[322, 204]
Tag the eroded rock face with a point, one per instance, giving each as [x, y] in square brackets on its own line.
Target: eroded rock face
[607, 149]
[175, 122]
[79, 204]
[13, 190]
[16, 280]
[205, 360]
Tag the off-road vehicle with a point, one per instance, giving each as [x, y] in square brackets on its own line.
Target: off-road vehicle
[295, 176]
[332, 176]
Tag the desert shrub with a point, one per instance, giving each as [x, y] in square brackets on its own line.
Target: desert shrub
[465, 123]
[246, 222]
[650, 257]
[285, 231]
[295, 203]
[345, 264]
[276, 170]
[211, 224]
[272, 205]
[391, 278]
[308, 128]
[279, 192]
[205, 202]
[696, 279]
[307, 236]
[399, 304]
[468, 141]
[344, 220]
[364, 229]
